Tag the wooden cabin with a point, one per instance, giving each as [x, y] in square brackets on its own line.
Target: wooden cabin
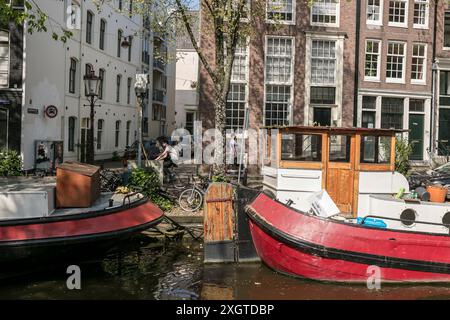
[349, 163]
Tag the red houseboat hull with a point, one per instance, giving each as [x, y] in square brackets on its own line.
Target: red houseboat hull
[70, 236]
[299, 244]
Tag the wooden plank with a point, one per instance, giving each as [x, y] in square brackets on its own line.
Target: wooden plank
[218, 213]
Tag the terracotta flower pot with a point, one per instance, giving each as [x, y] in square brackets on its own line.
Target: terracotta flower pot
[437, 193]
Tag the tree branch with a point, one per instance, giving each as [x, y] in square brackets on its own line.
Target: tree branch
[194, 42]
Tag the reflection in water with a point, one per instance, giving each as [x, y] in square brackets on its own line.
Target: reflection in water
[145, 268]
[256, 281]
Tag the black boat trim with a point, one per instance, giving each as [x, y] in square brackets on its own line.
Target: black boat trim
[74, 216]
[350, 256]
[81, 238]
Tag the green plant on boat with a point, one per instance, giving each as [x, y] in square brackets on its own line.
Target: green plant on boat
[403, 150]
[10, 163]
[147, 180]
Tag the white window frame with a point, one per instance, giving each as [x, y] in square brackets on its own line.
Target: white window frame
[427, 14]
[290, 83]
[288, 22]
[397, 80]
[398, 24]
[311, 57]
[369, 78]
[378, 22]
[424, 66]
[321, 24]
[100, 134]
[8, 71]
[244, 82]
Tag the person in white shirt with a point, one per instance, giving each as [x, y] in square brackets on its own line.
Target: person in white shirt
[170, 156]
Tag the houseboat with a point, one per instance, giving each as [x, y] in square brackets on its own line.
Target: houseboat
[33, 229]
[333, 206]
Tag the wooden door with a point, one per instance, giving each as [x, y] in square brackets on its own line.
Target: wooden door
[340, 169]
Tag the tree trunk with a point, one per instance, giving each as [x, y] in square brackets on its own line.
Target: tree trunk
[220, 125]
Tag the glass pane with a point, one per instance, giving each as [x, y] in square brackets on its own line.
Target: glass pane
[301, 147]
[340, 148]
[375, 149]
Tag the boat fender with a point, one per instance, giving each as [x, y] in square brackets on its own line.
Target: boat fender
[371, 222]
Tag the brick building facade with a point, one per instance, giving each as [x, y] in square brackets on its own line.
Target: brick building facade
[340, 63]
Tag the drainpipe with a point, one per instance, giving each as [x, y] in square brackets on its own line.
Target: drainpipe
[356, 85]
[434, 70]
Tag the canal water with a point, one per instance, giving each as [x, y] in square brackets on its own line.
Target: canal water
[146, 268]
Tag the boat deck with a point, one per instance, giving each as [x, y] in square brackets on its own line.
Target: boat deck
[100, 204]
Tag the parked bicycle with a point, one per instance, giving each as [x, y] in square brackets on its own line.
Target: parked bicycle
[191, 199]
[109, 180]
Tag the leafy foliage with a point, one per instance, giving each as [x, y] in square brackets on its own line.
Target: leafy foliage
[148, 182]
[403, 150]
[28, 11]
[10, 163]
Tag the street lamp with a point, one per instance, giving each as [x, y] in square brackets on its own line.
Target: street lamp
[140, 88]
[92, 86]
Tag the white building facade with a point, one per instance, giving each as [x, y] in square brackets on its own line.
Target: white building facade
[114, 43]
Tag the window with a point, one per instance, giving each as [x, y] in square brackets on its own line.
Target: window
[374, 12]
[392, 113]
[278, 100]
[117, 134]
[159, 112]
[237, 95]
[372, 64]
[395, 68]
[236, 101]
[398, 13]
[279, 60]
[102, 34]
[323, 62]
[301, 147]
[447, 30]
[339, 148]
[128, 133]
[325, 12]
[118, 83]
[375, 149]
[280, 10]
[100, 123]
[416, 105]
[101, 74]
[72, 75]
[444, 88]
[119, 42]
[88, 70]
[4, 58]
[130, 39]
[239, 72]
[71, 135]
[323, 95]
[129, 81]
[368, 112]
[420, 17]
[278, 78]
[418, 66]
[190, 118]
[89, 22]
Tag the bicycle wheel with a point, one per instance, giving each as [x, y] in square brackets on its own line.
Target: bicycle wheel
[190, 200]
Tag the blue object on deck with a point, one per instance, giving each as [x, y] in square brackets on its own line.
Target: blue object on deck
[372, 222]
